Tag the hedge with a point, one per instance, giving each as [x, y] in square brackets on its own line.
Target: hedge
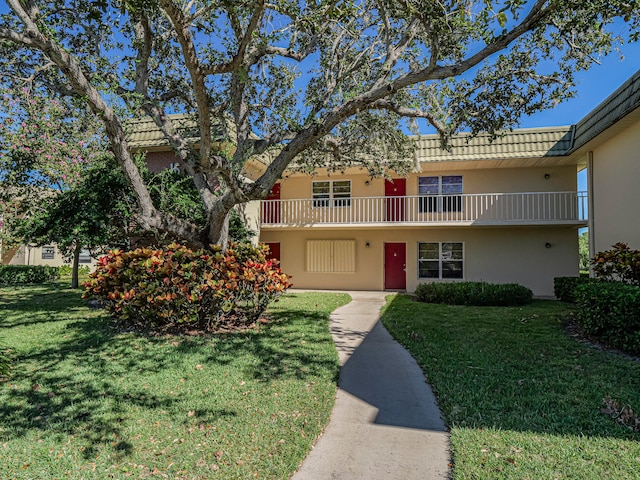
[23, 274]
[610, 312]
[564, 287]
[474, 293]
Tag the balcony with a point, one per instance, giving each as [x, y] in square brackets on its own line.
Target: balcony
[484, 209]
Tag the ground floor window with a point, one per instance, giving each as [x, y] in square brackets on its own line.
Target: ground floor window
[440, 260]
[85, 256]
[331, 256]
[48, 252]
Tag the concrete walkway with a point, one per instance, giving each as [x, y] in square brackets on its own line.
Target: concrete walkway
[385, 424]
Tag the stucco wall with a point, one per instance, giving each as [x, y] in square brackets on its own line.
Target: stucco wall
[616, 190]
[490, 180]
[500, 255]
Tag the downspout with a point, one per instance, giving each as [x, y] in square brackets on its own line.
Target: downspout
[591, 203]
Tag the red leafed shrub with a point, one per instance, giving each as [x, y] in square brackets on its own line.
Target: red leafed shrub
[621, 263]
[181, 289]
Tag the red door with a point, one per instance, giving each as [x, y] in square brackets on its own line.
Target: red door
[271, 207]
[395, 206]
[395, 263]
[274, 251]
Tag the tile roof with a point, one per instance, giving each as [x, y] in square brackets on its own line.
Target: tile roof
[144, 133]
[521, 143]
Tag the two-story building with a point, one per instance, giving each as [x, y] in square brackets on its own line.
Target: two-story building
[502, 211]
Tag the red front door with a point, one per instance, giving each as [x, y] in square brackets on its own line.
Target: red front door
[395, 263]
[271, 206]
[396, 189]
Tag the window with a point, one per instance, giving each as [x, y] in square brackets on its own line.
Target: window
[440, 260]
[442, 193]
[335, 193]
[331, 256]
[48, 252]
[85, 256]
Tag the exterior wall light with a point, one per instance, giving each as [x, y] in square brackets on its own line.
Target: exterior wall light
[548, 245]
[547, 176]
[367, 244]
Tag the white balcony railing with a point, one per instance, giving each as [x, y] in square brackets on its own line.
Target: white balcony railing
[482, 208]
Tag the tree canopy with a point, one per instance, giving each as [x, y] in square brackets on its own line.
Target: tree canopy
[323, 82]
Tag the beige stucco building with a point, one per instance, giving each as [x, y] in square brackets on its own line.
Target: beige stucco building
[506, 210]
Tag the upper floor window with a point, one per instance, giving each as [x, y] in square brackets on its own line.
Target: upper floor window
[335, 193]
[442, 194]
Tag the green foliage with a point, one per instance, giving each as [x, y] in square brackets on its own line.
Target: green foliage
[621, 263]
[23, 274]
[583, 251]
[474, 293]
[610, 312]
[308, 84]
[66, 270]
[179, 288]
[564, 287]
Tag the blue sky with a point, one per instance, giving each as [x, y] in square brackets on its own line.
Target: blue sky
[595, 85]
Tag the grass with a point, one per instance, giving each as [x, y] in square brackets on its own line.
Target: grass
[522, 398]
[86, 401]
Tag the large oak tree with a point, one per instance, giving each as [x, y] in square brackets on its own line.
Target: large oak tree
[323, 82]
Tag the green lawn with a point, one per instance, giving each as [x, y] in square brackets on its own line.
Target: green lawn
[86, 401]
[522, 398]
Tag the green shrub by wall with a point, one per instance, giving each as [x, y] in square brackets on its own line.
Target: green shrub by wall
[474, 293]
[610, 312]
[23, 274]
[564, 287]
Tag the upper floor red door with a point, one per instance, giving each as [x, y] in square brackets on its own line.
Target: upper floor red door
[270, 209]
[396, 189]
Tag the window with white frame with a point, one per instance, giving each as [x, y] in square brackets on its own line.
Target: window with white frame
[48, 252]
[335, 193]
[441, 194]
[440, 260]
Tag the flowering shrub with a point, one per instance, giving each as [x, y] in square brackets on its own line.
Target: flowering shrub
[621, 263]
[179, 288]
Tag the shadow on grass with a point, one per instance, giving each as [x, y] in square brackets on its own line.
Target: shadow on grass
[74, 386]
[514, 368]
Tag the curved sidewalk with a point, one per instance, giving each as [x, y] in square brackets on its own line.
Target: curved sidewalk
[385, 424]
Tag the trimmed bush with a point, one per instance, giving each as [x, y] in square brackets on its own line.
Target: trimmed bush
[22, 274]
[610, 312]
[183, 289]
[474, 293]
[621, 263]
[564, 287]
[68, 270]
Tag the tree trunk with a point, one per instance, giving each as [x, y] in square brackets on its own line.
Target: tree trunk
[219, 231]
[76, 264]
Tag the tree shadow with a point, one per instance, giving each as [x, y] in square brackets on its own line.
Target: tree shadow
[71, 386]
[544, 382]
